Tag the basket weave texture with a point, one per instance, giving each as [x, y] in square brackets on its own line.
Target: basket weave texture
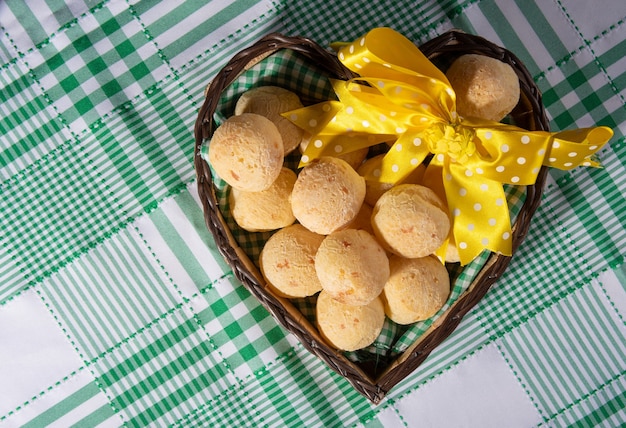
[372, 383]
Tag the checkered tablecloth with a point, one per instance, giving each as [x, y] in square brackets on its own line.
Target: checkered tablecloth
[116, 308]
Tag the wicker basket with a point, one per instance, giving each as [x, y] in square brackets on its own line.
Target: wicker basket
[528, 114]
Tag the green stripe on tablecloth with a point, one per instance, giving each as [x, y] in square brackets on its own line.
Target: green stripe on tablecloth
[153, 155]
[602, 229]
[284, 410]
[536, 21]
[610, 60]
[177, 239]
[96, 417]
[105, 297]
[295, 376]
[220, 14]
[306, 378]
[232, 409]
[55, 212]
[27, 125]
[602, 414]
[172, 337]
[10, 276]
[620, 272]
[137, 64]
[6, 55]
[195, 216]
[28, 20]
[497, 16]
[68, 404]
[278, 392]
[125, 168]
[178, 246]
[144, 376]
[186, 392]
[578, 348]
[233, 313]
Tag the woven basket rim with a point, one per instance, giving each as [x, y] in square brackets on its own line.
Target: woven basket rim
[452, 43]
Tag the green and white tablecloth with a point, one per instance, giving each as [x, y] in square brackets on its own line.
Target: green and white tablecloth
[116, 308]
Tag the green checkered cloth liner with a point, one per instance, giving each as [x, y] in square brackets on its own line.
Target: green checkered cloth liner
[287, 69]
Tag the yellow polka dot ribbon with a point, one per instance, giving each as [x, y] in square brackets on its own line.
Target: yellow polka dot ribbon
[402, 98]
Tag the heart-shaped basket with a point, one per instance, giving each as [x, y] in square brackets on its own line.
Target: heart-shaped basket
[271, 61]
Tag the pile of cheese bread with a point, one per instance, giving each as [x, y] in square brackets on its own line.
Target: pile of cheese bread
[364, 249]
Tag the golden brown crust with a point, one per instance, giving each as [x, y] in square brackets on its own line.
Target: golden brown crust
[416, 289]
[246, 151]
[269, 209]
[348, 327]
[352, 266]
[271, 101]
[410, 220]
[485, 87]
[327, 195]
[287, 262]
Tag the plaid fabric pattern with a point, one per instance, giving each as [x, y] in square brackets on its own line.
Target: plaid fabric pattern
[127, 302]
[41, 238]
[116, 308]
[145, 376]
[26, 118]
[528, 346]
[245, 334]
[97, 49]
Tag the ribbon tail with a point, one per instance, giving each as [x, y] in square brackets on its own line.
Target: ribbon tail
[569, 149]
[480, 214]
[404, 156]
[508, 154]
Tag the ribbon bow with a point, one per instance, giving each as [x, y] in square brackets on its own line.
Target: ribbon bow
[402, 97]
